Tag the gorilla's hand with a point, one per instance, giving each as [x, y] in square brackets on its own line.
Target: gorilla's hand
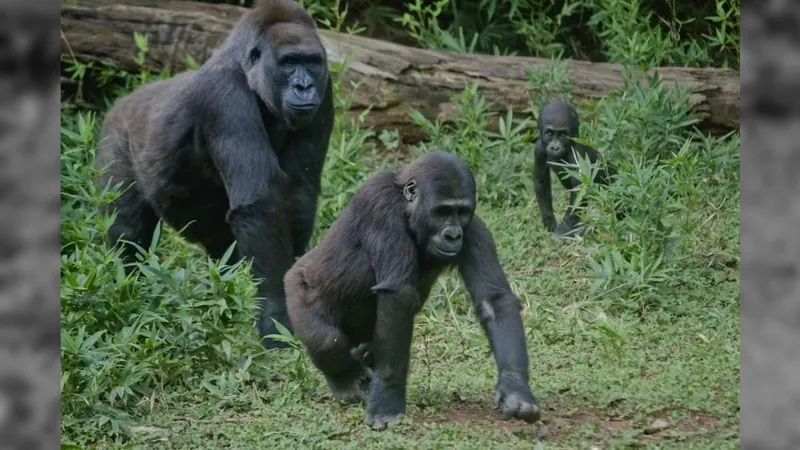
[514, 396]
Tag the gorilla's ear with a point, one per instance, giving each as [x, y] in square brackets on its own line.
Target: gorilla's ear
[410, 191]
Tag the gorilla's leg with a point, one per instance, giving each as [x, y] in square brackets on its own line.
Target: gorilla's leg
[332, 353]
[217, 243]
[263, 234]
[135, 222]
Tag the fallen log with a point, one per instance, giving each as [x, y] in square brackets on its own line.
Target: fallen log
[393, 78]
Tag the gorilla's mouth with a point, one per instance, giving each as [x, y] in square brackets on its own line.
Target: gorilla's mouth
[447, 251]
[303, 107]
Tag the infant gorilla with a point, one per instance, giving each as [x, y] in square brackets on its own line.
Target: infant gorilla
[352, 300]
[558, 124]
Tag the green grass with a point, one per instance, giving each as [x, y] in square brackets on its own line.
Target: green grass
[602, 379]
[174, 360]
[636, 324]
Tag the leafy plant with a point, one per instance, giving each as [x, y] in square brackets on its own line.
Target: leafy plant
[642, 33]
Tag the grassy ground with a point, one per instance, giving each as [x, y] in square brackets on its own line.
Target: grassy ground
[602, 380]
[633, 332]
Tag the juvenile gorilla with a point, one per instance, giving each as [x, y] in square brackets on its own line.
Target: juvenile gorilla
[558, 124]
[232, 151]
[353, 298]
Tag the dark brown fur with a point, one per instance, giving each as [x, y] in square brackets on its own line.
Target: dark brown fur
[374, 269]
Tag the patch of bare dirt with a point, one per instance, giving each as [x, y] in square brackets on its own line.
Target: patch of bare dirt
[656, 428]
[692, 421]
[568, 425]
[472, 412]
[698, 421]
[487, 415]
[608, 424]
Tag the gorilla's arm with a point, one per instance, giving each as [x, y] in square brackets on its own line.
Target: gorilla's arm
[499, 312]
[397, 303]
[255, 184]
[541, 187]
[304, 168]
[238, 143]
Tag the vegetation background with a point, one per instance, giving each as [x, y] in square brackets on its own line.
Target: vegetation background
[633, 332]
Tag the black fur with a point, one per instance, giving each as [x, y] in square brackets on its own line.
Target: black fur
[353, 299]
[558, 124]
[231, 151]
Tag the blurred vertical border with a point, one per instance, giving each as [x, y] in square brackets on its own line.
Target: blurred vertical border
[770, 225]
[29, 220]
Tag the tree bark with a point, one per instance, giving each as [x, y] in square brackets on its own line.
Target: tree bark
[392, 78]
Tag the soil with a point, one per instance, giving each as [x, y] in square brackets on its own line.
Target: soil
[552, 427]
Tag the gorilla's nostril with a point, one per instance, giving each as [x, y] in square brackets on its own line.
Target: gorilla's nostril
[452, 235]
[301, 85]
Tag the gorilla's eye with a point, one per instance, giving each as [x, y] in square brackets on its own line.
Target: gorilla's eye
[448, 211]
[549, 133]
[290, 60]
[296, 59]
[255, 54]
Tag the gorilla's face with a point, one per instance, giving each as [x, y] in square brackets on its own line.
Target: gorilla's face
[442, 201]
[558, 123]
[556, 142]
[288, 70]
[449, 217]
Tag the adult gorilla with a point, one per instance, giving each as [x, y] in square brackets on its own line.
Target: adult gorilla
[231, 151]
